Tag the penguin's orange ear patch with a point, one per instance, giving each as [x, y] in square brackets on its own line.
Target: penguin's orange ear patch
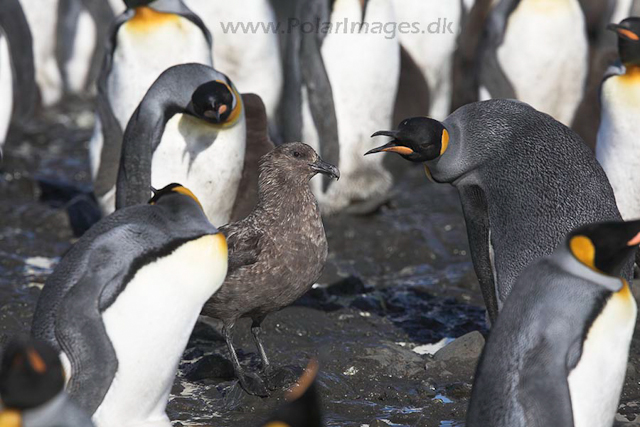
[445, 141]
[583, 249]
[635, 241]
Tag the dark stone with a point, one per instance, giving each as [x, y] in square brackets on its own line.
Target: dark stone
[350, 286]
[211, 366]
[467, 347]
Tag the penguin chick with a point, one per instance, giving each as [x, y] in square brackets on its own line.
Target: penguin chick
[517, 170]
[302, 408]
[557, 355]
[617, 148]
[31, 388]
[276, 253]
[121, 304]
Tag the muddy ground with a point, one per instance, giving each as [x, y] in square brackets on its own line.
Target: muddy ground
[395, 281]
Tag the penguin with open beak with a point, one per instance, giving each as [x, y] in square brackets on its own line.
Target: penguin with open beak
[32, 388]
[516, 170]
[557, 355]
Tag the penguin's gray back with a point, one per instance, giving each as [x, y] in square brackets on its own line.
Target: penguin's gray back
[537, 177]
[60, 411]
[559, 345]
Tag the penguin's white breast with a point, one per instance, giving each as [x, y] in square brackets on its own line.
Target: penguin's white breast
[596, 382]
[144, 50]
[432, 45]
[206, 159]
[363, 69]
[545, 54]
[251, 59]
[149, 325]
[6, 88]
[618, 147]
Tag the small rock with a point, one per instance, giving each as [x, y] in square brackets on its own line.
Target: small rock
[631, 371]
[467, 347]
[378, 423]
[211, 366]
[349, 286]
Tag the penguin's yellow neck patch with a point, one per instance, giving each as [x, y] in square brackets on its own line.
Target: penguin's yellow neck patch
[277, 424]
[445, 142]
[187, 192]
[583, 249]
[624, 301]
[10, 418]
[146, 19]
[632, 75]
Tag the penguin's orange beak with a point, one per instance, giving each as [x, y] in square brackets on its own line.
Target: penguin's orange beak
[391, 147]
[635, 241]
[623, 32]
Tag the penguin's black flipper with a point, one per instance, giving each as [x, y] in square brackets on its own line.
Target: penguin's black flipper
[83, 338]
[466, 57]
[492, 75]
[474, 205]
[111, 131]
[316, 79]
[538, 366]
[15, 27]
[103, 16]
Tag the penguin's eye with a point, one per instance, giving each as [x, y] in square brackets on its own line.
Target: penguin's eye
[296, 154]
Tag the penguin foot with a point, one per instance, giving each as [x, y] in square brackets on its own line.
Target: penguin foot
[370, 206]
[253, 384]
[282, 378]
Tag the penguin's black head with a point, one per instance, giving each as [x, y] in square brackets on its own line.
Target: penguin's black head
[132, 4]
[31, 374]
[294, 161]
[171, 189]
[628, 40]
[607, 246]
[418, 139]
[303, 403]
[214, 102]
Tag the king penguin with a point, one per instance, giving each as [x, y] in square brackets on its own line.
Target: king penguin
[190, 127]
[148, 38]
[17, 70]
[557, 356]
[432, 45]
[617, 148]
[32, 388]
[363, 68]
[536, 51]
[525, 180]
[243, 55]
[120, 306]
